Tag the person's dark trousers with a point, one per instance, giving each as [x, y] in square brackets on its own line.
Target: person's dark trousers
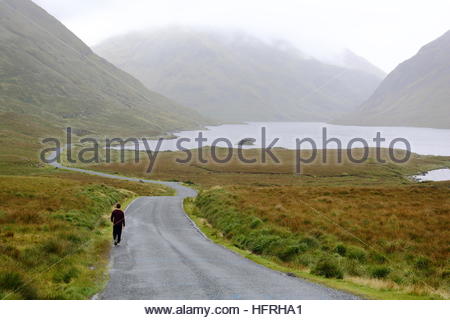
[117, 232]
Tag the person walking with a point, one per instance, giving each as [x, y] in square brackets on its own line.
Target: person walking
[118, 220]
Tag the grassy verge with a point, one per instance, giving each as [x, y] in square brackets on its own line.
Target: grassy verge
[322, 257]
[55, 232]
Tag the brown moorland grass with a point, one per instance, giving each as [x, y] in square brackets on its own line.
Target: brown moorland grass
[384, 217]
[396, 234]
[271, 173]
[283, 236]
[369, 223]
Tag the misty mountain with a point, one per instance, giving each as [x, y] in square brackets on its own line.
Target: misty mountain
[416, 93]
[236, 77]
[50, 78]
[348, 59]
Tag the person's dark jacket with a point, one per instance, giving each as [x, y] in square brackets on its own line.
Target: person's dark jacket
[118, 217]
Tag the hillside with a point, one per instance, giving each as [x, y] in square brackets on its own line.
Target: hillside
[50, 79]
[349, 59]
[416, 93]
[235, 77]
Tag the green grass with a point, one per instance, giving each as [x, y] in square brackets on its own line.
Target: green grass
[345, 284]
[49, 73]
[55, 233]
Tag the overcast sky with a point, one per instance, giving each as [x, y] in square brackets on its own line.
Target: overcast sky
[386, 32]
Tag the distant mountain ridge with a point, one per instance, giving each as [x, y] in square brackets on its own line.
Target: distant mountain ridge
[349, 59]
[49, 75]
[416, 93]
[237, 77]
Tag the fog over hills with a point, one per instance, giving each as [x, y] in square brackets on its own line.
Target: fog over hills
[348, 59]
[50, 78]
[237, 77]
[416, 93]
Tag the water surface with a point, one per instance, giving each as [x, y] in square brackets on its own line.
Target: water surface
[434, 175]
[425, 141]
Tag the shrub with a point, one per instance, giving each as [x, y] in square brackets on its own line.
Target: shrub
[289, 252]
[302, 247]
[29, 218]
[328, 268]
[255, 223]
[305, 259]
[10, 280]
[53, 247]
[65, 275]
[445, 274]
[310, 242]
[262, 242]
[10, 251]
[341, 250]
[380, 272]
[423, 263]
[398, 277]
[72, 237]
[356, 253]
[240, 241]
[377, 257]
[353, 268]
[9, 234]
[13, 282]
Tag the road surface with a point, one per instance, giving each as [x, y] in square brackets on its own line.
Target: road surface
[164, 256]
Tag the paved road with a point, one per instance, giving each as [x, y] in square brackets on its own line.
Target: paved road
[164, 256]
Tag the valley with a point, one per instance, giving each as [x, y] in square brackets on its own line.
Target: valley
[338, 224]
[364, 223]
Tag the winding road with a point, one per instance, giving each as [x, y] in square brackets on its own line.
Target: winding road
[163, 256]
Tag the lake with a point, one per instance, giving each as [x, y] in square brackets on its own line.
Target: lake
[434, 175]
[424, 141]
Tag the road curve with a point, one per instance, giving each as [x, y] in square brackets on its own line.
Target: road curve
[163, 256]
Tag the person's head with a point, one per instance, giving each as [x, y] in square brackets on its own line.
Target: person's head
[118, 206]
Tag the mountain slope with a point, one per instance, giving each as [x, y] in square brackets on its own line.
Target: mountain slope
[349, 59]
[236, 77]
[416, 93]
[48, 74]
